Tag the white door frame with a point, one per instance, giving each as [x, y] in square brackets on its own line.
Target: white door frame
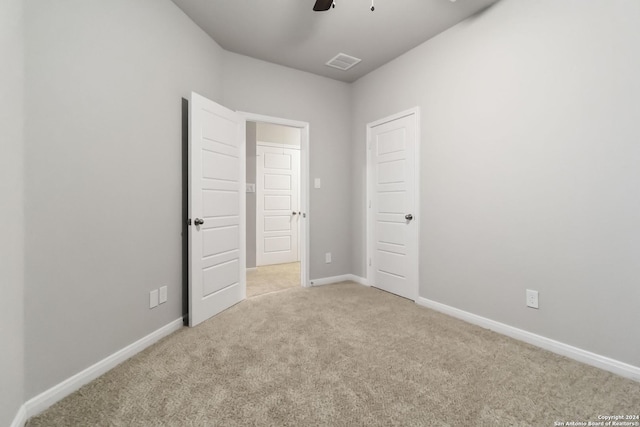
[415, 111]
[304, 183]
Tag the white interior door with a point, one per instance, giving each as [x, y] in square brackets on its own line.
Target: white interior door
[217, 278]
[393, 246]
[277, 202]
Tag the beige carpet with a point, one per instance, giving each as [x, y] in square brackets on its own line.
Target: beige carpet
[272, 278]
[342, 355]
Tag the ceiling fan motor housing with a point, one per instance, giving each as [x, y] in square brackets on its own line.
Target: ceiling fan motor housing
[324, 5]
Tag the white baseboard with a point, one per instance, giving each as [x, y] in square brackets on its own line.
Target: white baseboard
[252, 269]
[21, 417]
[360, 280]
[575, 353]
[47, 398]
[338, 279]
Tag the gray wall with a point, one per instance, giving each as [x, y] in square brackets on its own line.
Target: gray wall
[530, 174]
[12, 210]
[103, 176]
[251, 197]
[268, 132]
[283, 92]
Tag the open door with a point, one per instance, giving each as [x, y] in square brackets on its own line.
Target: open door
[217, 264]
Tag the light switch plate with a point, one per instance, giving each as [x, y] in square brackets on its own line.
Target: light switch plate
[532, 298]
[153, 298]
[163, 294]
[316, 183]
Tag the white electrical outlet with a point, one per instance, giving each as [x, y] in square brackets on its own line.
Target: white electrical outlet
[153, 298]
[163, 294]
[532, 298]
[327, 258]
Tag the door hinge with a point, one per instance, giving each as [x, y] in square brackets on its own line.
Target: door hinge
[189, 221]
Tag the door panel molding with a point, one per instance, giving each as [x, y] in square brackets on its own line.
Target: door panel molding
[277, 200]
[393, 244]
[216, 204]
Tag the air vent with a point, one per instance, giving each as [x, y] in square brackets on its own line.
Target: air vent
[343, 62]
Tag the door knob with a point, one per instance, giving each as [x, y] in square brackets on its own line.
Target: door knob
[408, 217]
[198, 221]
[294, 213]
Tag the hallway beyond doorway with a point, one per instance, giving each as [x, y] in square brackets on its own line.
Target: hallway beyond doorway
[272, 278]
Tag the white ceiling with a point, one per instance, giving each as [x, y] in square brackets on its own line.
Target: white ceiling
[290, 33]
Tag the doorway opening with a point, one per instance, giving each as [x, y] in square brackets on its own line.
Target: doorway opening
[276, 203]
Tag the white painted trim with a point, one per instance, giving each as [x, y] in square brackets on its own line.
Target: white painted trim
[369, 244]
[359, 280]
[273, 120]
[39, 403]
[251, 269]
[277, 145]
[575, 353]
[21, 417]
[242, 137]
[338, 279]
[305, 195]
[305, 190]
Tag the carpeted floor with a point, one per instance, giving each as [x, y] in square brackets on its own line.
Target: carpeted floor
[272, 278]
[342, 355]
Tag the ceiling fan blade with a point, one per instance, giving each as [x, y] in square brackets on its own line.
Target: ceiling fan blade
[322, 5]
